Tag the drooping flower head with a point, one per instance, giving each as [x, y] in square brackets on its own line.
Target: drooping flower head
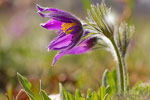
[69, 29]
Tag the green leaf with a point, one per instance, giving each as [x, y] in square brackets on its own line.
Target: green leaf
[106, 97]
[93, 26]
[44, 95]
[104, 78]
[115, 77]
[99, 15]
[103, 6]
[88, 98]
[89, 94]
[128, 86]
[111, 81]
[26, 82]
[94, 96]
[9, 92]
[108, 89]
[81, 98]
[101, 92]
[78, 95]
[63, 93]
[26, 85]
[70, 97]
[94, 16]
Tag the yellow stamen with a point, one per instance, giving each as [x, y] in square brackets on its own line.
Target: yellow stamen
[66, 26]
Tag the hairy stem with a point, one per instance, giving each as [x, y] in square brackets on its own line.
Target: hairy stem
[120, 66]
[125, 73]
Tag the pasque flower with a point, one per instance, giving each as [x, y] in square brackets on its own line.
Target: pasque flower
[69, 29]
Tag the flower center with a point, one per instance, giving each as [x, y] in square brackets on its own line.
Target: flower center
[66, 26]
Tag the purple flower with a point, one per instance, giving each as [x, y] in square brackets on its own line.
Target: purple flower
[82, 47]
[69, 29]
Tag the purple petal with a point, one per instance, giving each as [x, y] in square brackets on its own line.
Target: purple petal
[39, 7]
[60, 17]
[58, 56]
[43, 15]
[77, 33]
[54, 40]
[75, 29]
[43, 9]
[52, 24]
[66, 41]
[79, 50]
[76, 37]
[60, 42]
[84, 47]
[63, 17]
[57, 14]
[53, 10]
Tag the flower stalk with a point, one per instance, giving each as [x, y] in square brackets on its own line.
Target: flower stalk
[120, 67]
[97, 19]
[124, 73]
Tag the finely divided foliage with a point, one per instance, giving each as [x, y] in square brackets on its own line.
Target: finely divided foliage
[123, 37]
[97, 20]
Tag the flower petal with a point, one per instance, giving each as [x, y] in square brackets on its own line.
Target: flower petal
[39, 7]
[84, 46]
[57, 14]
[61, 42]
[43, 9]
[79, 50]
[53, 10]
[58, 56]
[52, 24]
[63, 17]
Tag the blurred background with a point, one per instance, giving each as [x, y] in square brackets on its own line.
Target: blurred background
[23, 46]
